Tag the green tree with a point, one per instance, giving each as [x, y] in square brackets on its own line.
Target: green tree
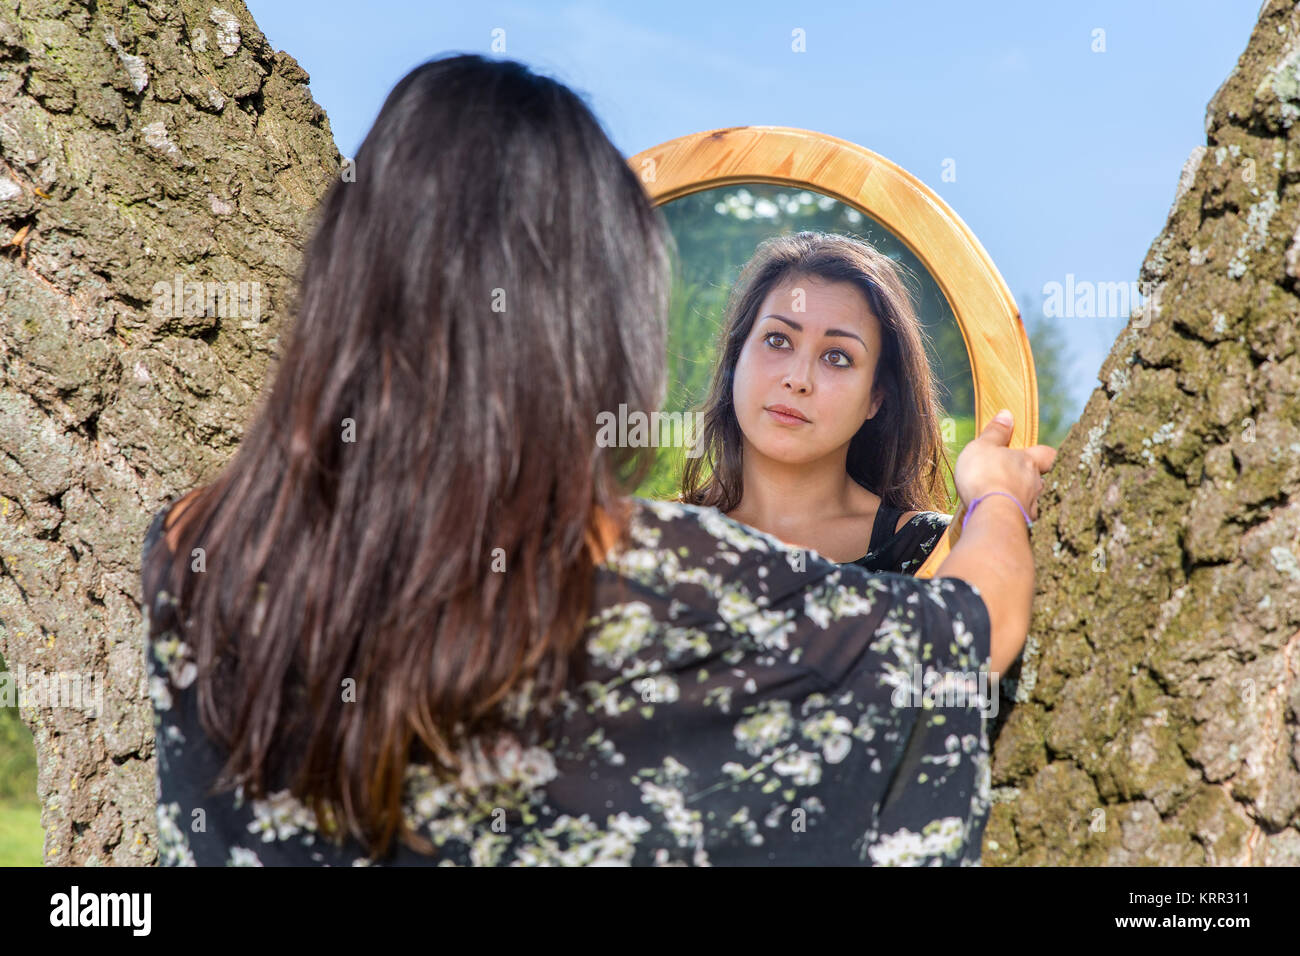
[1047, 343]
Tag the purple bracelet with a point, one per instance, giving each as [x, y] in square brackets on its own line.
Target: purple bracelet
[972, 505]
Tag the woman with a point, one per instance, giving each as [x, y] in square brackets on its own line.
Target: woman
[822, 423]
[417, 619]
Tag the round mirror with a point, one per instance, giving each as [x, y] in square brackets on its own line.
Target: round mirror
[724, 191]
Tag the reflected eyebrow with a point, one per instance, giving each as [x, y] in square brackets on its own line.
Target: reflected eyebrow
[799, 328]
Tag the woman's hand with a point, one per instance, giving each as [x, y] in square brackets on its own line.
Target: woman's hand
[987, 464]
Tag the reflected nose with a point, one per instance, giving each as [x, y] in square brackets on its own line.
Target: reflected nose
[798, 382]
[798, 368]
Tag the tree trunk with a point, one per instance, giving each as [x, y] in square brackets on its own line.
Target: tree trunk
[143, 144]
[1155, 715]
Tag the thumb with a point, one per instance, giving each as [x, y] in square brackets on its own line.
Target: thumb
[999, 429]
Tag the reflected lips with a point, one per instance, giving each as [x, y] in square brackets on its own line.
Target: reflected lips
[787, 415]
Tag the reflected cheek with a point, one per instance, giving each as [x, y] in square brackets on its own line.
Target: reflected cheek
[743, 393]
[842, 410]
[744, 413]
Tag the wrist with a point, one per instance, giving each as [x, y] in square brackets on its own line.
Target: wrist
[998, 502]
[997, 531]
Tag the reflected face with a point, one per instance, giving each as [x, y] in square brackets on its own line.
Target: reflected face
[813, 348]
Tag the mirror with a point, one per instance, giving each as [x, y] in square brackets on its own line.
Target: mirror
[723, 191]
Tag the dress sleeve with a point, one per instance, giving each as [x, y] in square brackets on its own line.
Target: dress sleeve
[891, 740]
[938, 797]
[170, 668]
[913, 657]
[907, 549]
[919, 538]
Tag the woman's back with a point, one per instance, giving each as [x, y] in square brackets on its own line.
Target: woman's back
[743, 703]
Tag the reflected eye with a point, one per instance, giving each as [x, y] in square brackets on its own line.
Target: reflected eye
[847, 363]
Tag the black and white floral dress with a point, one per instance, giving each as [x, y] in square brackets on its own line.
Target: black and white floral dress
[902, 550]
[746, 703]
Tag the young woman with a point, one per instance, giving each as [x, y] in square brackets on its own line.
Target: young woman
[822, 423]
[417, 618]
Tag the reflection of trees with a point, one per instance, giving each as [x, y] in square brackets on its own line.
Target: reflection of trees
[1047, 342]
[717, 231]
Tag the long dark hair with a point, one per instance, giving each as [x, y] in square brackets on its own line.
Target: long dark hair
[899, 453]
[493, 279]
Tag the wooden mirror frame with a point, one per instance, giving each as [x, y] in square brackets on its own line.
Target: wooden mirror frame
[986, 312]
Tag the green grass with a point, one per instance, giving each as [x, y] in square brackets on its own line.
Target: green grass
[21, 837]
[22, 841]
[964, 433]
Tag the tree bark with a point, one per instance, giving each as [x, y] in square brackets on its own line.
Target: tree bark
[142, 144]
[1155, 714]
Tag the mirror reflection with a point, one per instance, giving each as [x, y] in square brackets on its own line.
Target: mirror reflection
[825, 374]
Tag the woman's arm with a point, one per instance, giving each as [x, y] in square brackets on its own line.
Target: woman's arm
[993, 551]
[993, 554]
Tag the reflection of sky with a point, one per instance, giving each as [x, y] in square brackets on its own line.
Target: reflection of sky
[1066, 159]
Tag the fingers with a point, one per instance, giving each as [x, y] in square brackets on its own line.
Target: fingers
[1038, 490]
[1043, 456]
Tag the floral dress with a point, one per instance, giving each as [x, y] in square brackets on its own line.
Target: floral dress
[746, 703]
[904, 550]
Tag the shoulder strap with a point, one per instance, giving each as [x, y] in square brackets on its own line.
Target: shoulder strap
[883, 529]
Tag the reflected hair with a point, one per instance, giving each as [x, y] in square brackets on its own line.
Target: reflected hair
[493, 279]
[899, 453]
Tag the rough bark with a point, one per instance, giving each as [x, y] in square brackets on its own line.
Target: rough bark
[1155, 716]
[140, 142]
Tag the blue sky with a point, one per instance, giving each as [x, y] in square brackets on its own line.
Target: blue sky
[1066, 158]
